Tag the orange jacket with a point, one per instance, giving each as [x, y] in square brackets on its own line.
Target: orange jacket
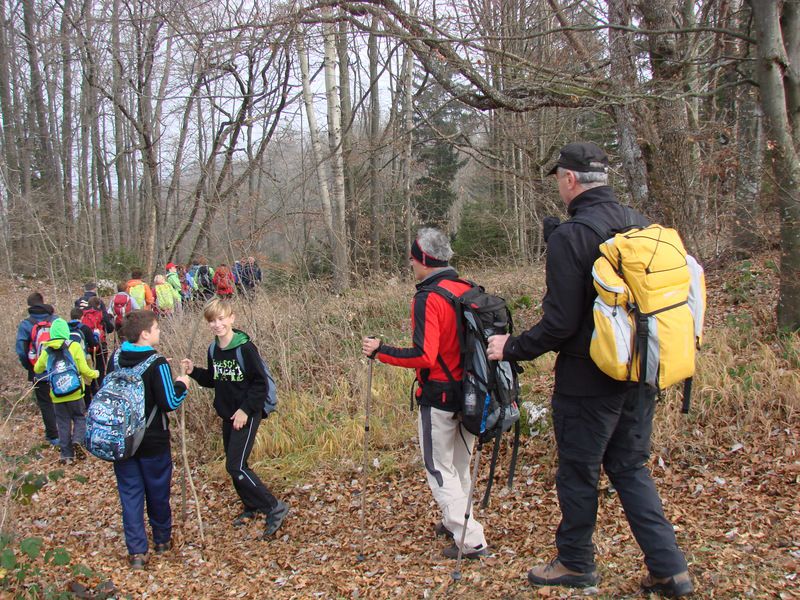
[148, 293]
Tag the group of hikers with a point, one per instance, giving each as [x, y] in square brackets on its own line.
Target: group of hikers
[600, 423]
[187, 285]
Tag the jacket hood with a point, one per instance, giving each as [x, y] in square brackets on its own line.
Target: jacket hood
[239, 339]
[41, 309]
[59, 330]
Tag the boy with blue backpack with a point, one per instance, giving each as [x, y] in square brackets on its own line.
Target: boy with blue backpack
[65, 364]
[244, 393]
[143, 466]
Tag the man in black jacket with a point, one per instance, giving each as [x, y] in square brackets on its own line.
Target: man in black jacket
[598, 421]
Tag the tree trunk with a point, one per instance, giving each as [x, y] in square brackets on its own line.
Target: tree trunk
[776, 97]
[341, 267]
[374, 143]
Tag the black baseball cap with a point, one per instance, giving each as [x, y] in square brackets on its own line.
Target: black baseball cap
[582, 157]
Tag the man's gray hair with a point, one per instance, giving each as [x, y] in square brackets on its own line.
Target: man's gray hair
[587, 179]
[434, 243]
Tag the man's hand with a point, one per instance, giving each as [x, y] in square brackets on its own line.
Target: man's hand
[494, 351]
[239, 419]
[369, 345]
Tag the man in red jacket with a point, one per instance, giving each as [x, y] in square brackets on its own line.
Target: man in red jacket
[446, 446]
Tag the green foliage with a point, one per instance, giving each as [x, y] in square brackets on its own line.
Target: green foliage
[23, 567]
[746, 283]
[438, 120]
[483, 232]
[523, 302]
[118, 265]
[23, 482]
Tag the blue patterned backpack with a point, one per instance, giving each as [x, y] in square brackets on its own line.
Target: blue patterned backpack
[115, 423]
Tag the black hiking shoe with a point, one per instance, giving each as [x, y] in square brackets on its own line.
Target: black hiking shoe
[244, 516]
[554, 573]
[475, 554]
[441, 531]
[677, 586]
[275, 518]
[165, 547]
[137, 562]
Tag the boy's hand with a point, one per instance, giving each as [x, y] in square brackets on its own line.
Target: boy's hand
[187, 366]
[184, 380]
[239, 419]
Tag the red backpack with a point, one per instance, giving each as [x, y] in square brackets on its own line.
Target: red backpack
[121, 304]
[93, 319]
[39, 335]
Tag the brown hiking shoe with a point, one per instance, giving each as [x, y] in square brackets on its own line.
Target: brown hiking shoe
[554, 573]
[677, 586]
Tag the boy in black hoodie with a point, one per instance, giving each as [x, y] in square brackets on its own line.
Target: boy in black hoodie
[38, 311]
[147, 474]
[236, 372]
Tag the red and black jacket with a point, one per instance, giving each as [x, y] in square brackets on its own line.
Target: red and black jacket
[435, 341]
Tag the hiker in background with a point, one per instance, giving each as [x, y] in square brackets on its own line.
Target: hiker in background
[175, 281]
[146, 476]
[121, 304]
[139, 290]
[64, 363]
[90, 291]
[101, 325]
[81, 334]
[188, 284]
[237, 276]
[223, 282]
[203, 277]
[167, 298]
[251, 276]
[242, 399]
[445, 445]
[31, 334]
[597, 421]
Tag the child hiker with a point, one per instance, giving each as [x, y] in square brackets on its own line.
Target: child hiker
[66, 366]
[146, 475]
[240, 380]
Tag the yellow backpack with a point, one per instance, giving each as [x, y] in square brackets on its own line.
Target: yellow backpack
[650, 306]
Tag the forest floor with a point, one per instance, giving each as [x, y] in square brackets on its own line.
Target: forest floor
[736, 511]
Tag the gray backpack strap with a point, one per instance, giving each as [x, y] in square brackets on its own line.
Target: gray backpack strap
[272, 389]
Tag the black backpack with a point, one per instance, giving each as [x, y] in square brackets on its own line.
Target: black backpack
[204, 278]
[490, 388]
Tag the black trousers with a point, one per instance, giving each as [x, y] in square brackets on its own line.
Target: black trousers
[41, 392]
[612, 432]
[238, 445]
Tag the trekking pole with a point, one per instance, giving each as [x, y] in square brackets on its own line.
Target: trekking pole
[456, 575]
[361, 556]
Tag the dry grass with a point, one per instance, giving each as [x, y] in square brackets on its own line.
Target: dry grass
[747, 386]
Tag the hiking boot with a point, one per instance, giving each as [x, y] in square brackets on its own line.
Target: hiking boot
[441, 531]
[677, 586]
[554, 573]
[275, 518]
[244, 516]
[474, 554]
[66, 460]
[137, 562]
[161, 548]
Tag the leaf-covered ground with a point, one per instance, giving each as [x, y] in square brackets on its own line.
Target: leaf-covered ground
[737, 515]
[735, 507]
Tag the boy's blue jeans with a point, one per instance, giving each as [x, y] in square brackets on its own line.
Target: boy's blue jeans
[139, 479]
